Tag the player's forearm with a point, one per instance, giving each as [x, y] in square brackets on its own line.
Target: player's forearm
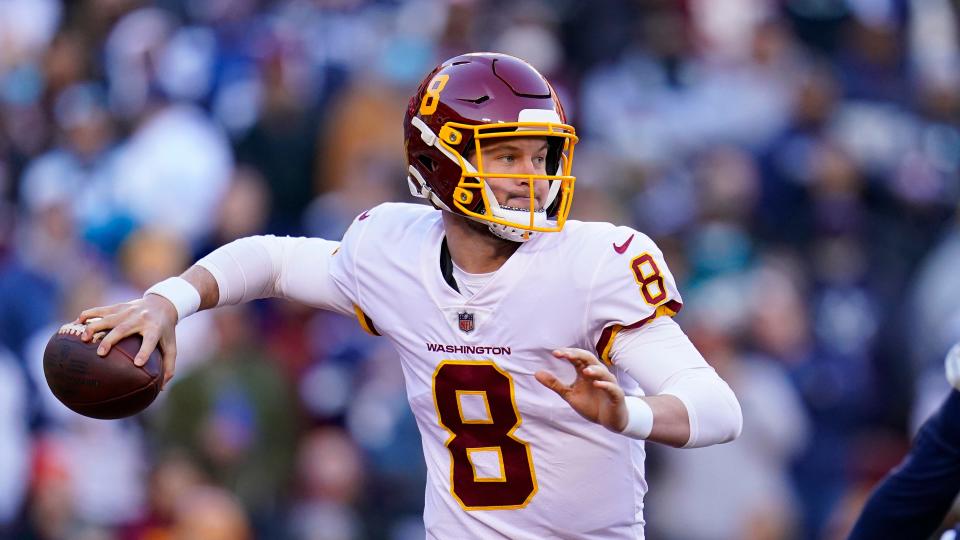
[205, 284]
[713, 411]
[671, 424]
[243, 270]
[697, 409]
[667, 365]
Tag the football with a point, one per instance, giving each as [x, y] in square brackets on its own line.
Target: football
[104, 387]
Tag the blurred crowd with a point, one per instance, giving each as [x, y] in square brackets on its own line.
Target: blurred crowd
[797, 161]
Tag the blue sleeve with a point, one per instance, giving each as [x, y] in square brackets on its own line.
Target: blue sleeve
[914, 498]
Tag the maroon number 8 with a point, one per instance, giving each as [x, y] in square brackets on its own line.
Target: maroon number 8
[517, 483]
[649, 278]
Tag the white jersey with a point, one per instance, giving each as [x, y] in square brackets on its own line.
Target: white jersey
[507, 457]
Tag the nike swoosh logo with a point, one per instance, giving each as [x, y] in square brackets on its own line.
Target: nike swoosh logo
[623, 247]
[363, 216]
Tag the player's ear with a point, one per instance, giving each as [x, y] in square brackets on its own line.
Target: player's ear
[470, 155]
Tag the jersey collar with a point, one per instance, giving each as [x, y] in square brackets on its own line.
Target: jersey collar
[437, 271]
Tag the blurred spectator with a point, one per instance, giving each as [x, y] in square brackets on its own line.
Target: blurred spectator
[380, 421]
[212, 514]
[14, 440]
[74, 489]
[51, 512]
[871, 64]
[150, 254]
[235, 416]
[79, 175]
[173, 476]
[27, 26]
[107, 492]
[330, 475]
[364, 153]
[245, 207]
[811, 146]
[284, 142]
[174, 170]
[176, 165]
[743, 489]
[833, 389]
[792, 156]
[29, 299]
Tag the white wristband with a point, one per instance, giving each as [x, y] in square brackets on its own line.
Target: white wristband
[180, 293]
[639, 418]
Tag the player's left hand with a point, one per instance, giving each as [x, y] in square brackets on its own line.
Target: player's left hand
[594, 394]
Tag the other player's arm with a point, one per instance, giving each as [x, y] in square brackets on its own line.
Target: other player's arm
[917, 494]
[243, 270]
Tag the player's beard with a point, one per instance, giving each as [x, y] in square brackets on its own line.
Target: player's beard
[482, 229]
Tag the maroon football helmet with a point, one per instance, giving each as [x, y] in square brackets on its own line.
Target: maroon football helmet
[476, 97]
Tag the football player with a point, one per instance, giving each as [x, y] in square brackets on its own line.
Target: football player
[538, 353]
[916, 495]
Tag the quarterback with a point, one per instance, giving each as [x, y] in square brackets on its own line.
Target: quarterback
[538, 353]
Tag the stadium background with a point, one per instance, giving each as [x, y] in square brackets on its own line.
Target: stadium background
[797, 160]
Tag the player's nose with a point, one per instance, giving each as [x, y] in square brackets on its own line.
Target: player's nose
[529, 166]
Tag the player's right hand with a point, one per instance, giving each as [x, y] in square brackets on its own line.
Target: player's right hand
[153, 317]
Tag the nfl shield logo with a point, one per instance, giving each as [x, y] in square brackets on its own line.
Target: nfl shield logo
[466, 321]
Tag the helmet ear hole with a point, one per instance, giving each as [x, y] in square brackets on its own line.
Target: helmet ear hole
[427, 162]
[554, 150]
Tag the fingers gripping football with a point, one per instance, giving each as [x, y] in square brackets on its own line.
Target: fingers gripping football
[153, 317]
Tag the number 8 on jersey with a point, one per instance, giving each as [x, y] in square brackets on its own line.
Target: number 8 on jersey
[515, 484]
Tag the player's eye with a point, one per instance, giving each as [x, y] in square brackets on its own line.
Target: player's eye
[507, 158]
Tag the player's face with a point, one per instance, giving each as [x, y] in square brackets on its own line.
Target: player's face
[516, 155]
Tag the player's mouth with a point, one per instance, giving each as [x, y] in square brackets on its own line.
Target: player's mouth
[522, 204]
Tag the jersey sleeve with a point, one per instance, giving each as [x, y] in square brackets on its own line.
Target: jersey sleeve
[632, 285]
[268, 266]
[344, 271]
